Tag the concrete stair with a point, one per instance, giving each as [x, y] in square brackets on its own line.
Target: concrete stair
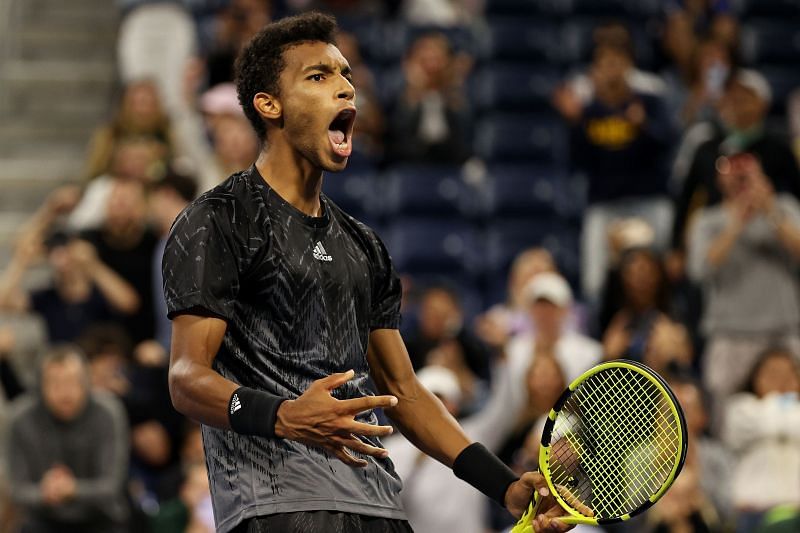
[57, 77]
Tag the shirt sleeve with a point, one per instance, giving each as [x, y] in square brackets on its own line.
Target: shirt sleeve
[201, 263]
[387, 291]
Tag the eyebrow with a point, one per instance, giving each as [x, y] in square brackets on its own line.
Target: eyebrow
[323, 67]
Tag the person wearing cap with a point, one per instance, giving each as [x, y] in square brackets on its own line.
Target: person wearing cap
[549, 300]
[433, 498]
[745, 253]
[743, 109]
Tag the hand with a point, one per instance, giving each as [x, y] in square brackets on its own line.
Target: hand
[150, 353]
[84, 254]
[617, 338]
[636, 114]
[58, 485]
[318, 419]
[63, 200]
[568, 104]
[519, 496]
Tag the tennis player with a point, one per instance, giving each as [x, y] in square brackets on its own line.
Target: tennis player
[283, 306]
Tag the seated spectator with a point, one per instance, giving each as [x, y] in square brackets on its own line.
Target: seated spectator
[459, 507]
[126, 243]
[85, 289]
[432, 120]
[72, 480]
[684, 508]
[621, 141]
[743, 112]
[167, 199]
[441, 338]
[707, 457]
[669, 347]
[548, 301]
[510, 318]
[637, 299]
[762, 428]
[139, 114]
[745, 253]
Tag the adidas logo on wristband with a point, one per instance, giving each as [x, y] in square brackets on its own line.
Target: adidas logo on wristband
[235, 403]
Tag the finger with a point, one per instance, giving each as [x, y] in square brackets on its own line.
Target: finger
[368, 430]
[535, 482]
[334, 380]
[362, 447]
[365, 403]
[344, 456]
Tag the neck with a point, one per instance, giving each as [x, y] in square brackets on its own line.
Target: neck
[292, 176]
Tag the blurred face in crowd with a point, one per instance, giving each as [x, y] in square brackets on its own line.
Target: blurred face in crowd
[777, 374]
[525, 268]
[691, 401]
[141, 105]
[548, 318]
[127, 206]
[432, 54]
[610, 69]
[235, 141]
[135, 158]
[62, 261]
[741, 108]
[439, 315]
[64, 387]
[641, 279]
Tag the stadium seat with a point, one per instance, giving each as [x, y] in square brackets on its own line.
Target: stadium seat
[535, 138]
[516, 87]
[522, 39]
[765, 41]
[767, 8]
[527, 7]
[353, 191]
[522, 190]
[434, 246]
[783, 80]
[616, 8]
[427, 190]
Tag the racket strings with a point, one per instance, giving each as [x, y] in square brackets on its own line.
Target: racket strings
[614, 443]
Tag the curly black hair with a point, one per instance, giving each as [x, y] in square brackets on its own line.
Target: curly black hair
[261, 62]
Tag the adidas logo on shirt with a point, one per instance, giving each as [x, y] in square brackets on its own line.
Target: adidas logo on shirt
[320, 254]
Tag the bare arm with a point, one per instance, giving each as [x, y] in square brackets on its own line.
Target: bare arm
[120, 294]
[419, 414]
[787, 231]
[315, 418]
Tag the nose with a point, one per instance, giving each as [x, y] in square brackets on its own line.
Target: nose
[347, 91]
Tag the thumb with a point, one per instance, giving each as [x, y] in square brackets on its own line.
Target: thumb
[336, 380]
[535, 482]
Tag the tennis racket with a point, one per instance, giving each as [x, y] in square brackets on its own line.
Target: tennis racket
[613, 444]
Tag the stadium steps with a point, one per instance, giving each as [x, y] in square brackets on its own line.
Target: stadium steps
[57, 75]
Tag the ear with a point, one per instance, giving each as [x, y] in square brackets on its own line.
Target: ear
[268, 106]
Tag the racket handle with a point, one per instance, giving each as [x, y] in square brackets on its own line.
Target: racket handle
[525, 523]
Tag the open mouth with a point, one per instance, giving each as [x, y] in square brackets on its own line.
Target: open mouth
[340, 132]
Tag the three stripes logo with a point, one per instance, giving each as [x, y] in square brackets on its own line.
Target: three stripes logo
[320, 254]
[236, 404]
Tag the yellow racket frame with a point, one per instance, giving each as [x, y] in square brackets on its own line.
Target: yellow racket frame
[525, 523]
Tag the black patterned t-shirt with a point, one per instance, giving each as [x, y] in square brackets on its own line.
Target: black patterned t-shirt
[300, 296]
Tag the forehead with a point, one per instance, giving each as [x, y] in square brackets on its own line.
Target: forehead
[311, 53]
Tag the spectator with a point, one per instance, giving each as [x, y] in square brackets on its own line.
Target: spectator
[707, 457]
[506, 320]
[191, 511]
[10, 384]
[72, 480]
[126, 244]
[684, 508]
[85, 289]
[762, 427]
[746, 252]
[139, 114]
[168, 198]
[442, 339]
[621, 140]
[669, 347]
[459, 507]
[637, 303]
[432, 120]
[743, 112]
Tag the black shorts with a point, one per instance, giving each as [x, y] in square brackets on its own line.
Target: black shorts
[322, 522]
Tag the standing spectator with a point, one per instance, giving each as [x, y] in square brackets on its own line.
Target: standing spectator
[72, 480]
[621, 140]
[745, 253]
[125, 243]
[762, 427]
[431, 122]
[168, 198]
[743, 113]
[139, 114]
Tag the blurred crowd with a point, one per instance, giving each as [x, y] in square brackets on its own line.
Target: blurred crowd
[667, 161]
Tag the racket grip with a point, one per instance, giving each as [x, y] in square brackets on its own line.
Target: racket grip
[525, 523]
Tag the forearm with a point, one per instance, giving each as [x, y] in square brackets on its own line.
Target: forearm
[118, 292]
[201, 393]
[789, 236]
[721, 247]
[10, 281]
